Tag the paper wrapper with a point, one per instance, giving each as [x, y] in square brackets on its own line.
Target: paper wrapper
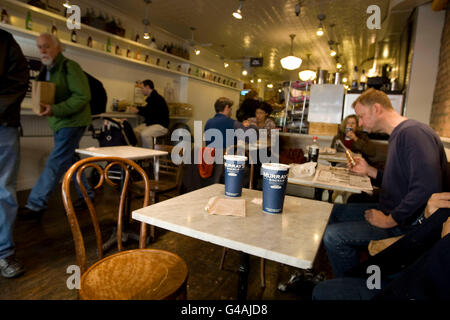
[303, 170]
[226, 207]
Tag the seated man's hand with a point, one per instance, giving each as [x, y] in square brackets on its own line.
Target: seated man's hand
[378, 219]
[361, 167]
[437, 201]
[445, 228]
[47, 110]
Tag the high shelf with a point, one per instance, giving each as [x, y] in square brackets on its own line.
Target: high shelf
[139, 53]
[297, 102]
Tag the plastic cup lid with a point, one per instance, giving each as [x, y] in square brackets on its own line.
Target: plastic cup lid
[275, 166]
[232, 157]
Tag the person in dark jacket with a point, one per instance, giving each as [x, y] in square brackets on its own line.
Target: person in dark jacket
[414, 267]
[415, 168]
[156, 114]
[14, 76]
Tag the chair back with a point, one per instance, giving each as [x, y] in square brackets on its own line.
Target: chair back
[167, 167]
[98, 164]
[241, 150]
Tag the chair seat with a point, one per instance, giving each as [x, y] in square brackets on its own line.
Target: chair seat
[141, 274]
[162, 185]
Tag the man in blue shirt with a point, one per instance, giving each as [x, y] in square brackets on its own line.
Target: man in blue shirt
[222, 121]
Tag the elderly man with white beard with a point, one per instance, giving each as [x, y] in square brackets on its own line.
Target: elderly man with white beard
[68, 117]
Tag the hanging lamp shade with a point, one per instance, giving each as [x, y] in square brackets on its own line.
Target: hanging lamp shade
[308, 74]
[291, 62]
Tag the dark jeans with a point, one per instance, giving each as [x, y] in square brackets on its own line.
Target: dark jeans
[348, 232]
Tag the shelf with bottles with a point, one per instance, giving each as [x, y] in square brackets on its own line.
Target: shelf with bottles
[32, 18]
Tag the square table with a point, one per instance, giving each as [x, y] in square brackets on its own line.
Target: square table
[291, 238]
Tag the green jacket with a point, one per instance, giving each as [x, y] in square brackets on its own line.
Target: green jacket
[72, 95]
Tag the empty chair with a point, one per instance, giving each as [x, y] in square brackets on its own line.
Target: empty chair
[132, 274]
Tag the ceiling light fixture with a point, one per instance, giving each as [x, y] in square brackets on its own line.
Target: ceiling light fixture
[270, 86]
[320, 31]
[332, 53]
[244, 72]
[196, 51]
[251, 81]
[67, 4]
[338, 65]
[226, 65]
[238, 14]
[291, 62]
[307, 74]
[259, 80]
[146, 22]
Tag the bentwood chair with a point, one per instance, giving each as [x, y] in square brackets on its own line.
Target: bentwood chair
[138, 274]
[241, 151]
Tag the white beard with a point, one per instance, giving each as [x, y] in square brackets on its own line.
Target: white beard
[47, 61]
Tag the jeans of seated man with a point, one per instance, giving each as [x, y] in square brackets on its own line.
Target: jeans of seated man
[348, 232]
[62, 156]
[145, 134]
[9, 167]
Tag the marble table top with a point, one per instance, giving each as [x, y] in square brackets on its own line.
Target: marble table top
[127, 152]
[292, 238]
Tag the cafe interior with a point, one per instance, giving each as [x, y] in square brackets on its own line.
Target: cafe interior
[163, 221]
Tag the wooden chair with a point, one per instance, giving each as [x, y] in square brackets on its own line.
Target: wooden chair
[133, 274]
[170, 175]
[239, 150]
[376, 246]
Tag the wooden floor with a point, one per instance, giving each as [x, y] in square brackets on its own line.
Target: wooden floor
[46, 249]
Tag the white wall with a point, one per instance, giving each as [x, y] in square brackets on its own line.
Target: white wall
[425, 62]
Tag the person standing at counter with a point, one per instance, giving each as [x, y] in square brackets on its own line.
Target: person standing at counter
[416, 167]
[68, 117]
[352, 136]
[156, 114]
[13, 87]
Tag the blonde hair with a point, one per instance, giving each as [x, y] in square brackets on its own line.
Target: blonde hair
[371, 96]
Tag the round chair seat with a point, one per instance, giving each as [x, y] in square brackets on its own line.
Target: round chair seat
[141, 274]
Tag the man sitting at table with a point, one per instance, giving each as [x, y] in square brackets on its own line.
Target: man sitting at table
[222, 121]
[415, 169]
[156, 114]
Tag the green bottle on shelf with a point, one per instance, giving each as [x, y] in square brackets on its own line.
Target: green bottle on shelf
[29, 22]
[108, 45]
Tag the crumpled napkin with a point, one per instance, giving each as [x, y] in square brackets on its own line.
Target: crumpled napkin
[226, 207]
[303, 170]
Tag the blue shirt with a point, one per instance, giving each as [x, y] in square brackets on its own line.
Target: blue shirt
[220, 122]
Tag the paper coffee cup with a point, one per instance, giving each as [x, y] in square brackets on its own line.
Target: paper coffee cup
[275, 177]
[234, 174]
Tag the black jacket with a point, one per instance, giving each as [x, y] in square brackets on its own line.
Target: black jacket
[14, 76]
[156, 110]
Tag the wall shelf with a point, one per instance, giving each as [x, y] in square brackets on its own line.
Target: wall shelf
[32, 35]
[186, 64]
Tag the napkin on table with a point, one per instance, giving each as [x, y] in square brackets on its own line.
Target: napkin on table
[226, 207]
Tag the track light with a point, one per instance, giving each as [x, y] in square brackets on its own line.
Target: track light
[238, 14]
[67, 4]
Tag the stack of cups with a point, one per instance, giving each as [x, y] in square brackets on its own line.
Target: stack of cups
[275, 177]
[234, 174]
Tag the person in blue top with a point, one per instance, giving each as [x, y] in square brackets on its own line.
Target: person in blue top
[416, 167]
[222, 121]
